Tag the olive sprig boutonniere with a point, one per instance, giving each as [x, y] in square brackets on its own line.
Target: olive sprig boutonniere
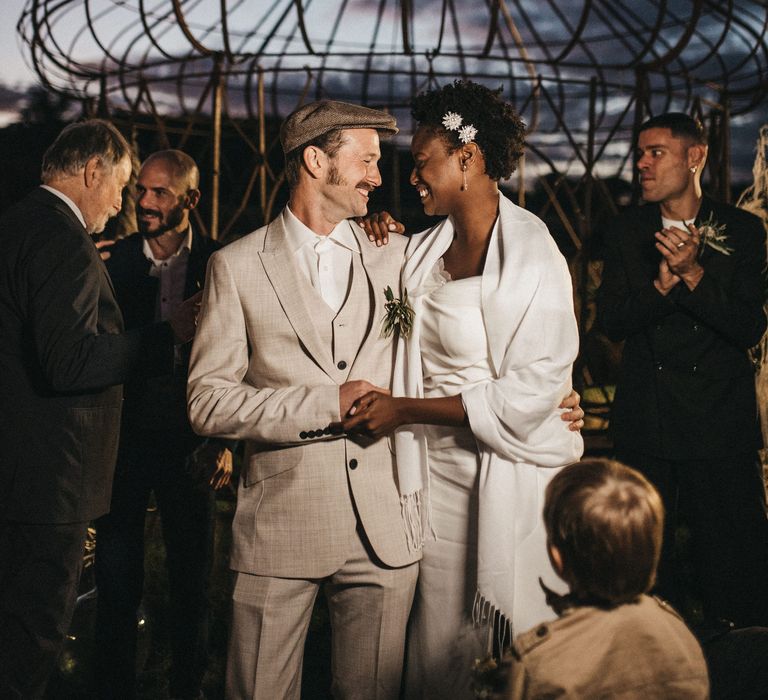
[398, 314]
[713, 234]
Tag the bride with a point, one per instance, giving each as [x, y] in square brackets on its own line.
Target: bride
[475, 400]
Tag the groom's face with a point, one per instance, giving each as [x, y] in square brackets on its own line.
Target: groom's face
[353, 173]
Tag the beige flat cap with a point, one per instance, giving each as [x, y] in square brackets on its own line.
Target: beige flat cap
[317, 118]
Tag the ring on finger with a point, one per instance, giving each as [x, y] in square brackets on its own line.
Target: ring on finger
[681, 244]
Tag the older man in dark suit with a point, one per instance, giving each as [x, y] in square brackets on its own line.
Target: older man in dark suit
[152, 272]
[63, 357]
[683, 286]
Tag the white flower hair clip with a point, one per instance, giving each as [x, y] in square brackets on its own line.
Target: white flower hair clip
[453, 122]
[467, 133]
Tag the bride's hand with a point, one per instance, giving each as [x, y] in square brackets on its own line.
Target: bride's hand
[379, 225]
[375, 414]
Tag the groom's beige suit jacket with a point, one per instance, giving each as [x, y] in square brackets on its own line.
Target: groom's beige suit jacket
[267, 362]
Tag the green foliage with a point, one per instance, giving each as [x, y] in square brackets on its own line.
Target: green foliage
[398, 315]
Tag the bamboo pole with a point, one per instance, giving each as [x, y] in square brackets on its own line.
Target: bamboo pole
[263, 170]
[218, 91]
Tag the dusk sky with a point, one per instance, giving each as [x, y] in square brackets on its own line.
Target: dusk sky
[14, 71]
[16, 76]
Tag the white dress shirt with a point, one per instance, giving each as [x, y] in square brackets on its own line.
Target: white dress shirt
[676, 223]
[325, 260]
[172, 273]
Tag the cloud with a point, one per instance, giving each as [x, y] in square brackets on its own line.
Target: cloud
[11, 102]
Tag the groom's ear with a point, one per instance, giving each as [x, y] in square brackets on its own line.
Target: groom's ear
[315, 160]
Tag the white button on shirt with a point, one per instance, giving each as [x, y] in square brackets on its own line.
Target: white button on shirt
[324, 260]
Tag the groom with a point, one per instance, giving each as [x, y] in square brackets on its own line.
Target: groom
[287, 340]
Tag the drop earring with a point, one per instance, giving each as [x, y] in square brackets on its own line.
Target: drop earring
[464, 185]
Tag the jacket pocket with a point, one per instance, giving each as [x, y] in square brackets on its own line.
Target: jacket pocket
[267, 463]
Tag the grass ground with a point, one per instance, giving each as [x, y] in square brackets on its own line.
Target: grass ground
[73, 681]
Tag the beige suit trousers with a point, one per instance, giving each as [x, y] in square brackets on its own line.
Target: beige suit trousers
[368, 604]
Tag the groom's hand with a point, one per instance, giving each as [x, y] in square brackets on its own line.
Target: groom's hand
[574, 416]
[349, 392]
[374, 415]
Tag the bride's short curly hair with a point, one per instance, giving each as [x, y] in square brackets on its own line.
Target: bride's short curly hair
[500, 130]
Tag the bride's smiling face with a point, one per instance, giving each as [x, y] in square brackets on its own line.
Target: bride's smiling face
[436, 173]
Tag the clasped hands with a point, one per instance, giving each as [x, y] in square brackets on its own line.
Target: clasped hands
[372, 411]
[367, 409]
[679, 258]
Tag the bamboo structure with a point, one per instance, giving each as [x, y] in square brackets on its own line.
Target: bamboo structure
[582, 73]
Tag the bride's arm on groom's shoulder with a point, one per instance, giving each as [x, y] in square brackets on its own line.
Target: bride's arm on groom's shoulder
[379, 225]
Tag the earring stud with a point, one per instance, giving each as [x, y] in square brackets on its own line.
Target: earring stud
[464, 185]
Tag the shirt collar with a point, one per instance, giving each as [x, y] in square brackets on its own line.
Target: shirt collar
[185, 248]
[75, 209]
[299, 234]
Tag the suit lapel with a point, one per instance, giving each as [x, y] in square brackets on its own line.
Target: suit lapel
[640, 242]
[60, 205]
[105, 275]
[706, 210]
[195, 265]
[354, 323]
[379, 277]
[285, 278]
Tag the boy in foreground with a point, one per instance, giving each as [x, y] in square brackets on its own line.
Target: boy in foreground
[604, 526]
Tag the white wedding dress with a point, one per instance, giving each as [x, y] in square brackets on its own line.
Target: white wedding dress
[443, 642]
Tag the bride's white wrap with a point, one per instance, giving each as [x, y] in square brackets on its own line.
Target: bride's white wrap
[527, 306]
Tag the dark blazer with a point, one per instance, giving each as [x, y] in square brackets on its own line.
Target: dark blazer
[686, 385]
[63, 357]
[155, 404]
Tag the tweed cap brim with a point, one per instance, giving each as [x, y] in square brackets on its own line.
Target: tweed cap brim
[317, 118]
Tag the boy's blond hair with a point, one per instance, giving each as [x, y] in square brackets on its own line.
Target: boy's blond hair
[607, 522]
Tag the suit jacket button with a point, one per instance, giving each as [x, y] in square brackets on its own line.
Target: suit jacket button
[310, 433]
[327, 430]
[695, 369]
[659, 367]
[353, 464]
[695, 326]
[341, 364]
[303, 434]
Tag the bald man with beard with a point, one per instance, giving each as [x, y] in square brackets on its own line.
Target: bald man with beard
[152, 271]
